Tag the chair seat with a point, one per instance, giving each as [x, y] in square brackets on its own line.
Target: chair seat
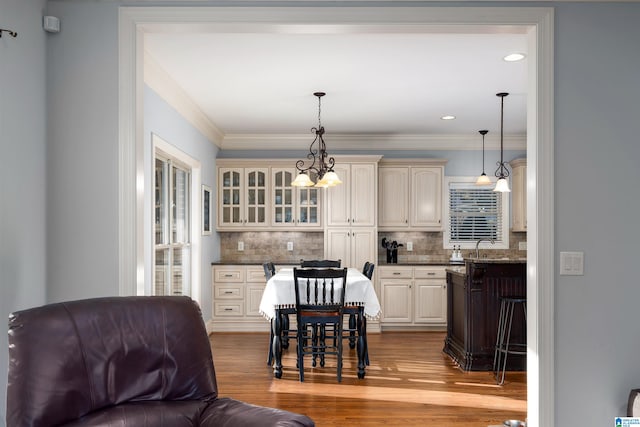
[320, 313]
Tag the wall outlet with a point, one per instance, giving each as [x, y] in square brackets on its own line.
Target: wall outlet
[240, 246]
[409, 246]
[289, 246]
[522, 246]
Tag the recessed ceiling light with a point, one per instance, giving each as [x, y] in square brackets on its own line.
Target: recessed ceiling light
[448, 117]
[513, 57]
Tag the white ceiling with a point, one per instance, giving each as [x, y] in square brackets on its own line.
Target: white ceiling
[377, 84]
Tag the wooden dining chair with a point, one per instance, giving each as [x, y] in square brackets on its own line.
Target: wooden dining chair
[320, 263]
[319, 302]
[357, 321]
[269, 271]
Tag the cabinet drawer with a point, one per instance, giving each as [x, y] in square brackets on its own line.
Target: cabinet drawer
[255, 274]
[396, 273]
[228, 308]
[228, 291]
[430, 273]
[229, 274]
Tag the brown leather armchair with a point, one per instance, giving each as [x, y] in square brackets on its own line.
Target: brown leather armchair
[126, 361]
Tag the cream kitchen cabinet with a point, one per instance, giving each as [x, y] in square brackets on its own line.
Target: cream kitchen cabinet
[243, 197]
[413, 297]
[350, 232]
[293, 207]
[354, 246]
[237, 291]
[393, 184]
[410, 195]
[519, 195]
[353, 203]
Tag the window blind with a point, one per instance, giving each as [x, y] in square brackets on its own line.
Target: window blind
[475, 213]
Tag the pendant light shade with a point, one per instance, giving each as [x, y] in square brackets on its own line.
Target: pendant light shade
[483, 179]
[502, 185]
[321, 163]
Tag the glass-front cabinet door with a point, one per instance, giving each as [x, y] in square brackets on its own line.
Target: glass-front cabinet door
[309, 206]
[230, 197]
[283, 197]
[291, 206]
[256, 196]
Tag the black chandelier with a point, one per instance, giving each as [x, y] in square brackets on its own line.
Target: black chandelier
[321, 163]
[483, 179]
[502, 172]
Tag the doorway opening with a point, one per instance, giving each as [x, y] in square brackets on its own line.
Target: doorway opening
[538, 23]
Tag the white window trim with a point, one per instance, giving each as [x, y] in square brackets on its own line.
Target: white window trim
[159, 144]
[503, 243]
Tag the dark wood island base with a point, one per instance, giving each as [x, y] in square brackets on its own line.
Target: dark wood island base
[473, 309]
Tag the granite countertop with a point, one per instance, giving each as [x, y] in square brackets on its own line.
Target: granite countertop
[254, 262]
[496, 260]
[400, 264]
[453, 265]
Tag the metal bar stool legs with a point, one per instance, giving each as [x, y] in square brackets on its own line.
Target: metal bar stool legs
[504, 346]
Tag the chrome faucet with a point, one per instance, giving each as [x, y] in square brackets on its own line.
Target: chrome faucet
[478, 244]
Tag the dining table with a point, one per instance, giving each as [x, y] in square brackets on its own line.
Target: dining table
[279, 299]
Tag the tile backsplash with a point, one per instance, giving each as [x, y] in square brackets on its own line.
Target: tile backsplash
[427, 246]
[272, 245]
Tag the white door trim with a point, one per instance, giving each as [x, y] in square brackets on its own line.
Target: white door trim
[538, 22]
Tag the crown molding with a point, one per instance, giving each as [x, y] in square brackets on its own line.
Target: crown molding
[159, 80]
[371, 142]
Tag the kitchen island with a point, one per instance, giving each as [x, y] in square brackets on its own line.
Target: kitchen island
[473, 308]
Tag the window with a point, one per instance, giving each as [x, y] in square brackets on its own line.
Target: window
[172, 227]
[475, 212]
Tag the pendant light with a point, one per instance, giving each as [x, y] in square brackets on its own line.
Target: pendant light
[502, 172]
[321, 163]
[483, 179]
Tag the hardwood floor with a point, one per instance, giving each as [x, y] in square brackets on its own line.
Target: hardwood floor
[410, 383]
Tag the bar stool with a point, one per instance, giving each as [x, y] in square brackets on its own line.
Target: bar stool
[504, 346]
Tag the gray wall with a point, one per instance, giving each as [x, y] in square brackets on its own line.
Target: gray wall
[164, 121]
[596, 173]
[23, 182]
[597, 126]
[82, 156]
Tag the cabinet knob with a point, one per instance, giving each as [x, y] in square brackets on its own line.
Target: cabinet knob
[431, 274]
[228, 275]
[396, 273]
[228, 292]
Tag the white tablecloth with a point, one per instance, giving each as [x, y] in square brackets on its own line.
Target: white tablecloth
[280, 292]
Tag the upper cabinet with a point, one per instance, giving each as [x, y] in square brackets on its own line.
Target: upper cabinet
[519, 195]
[242, 197]
[410, 194]
[293, 207]
[353, 203]
[254, 197]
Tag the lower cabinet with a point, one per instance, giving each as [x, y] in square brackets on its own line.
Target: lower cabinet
[237, 291]
[413, 296]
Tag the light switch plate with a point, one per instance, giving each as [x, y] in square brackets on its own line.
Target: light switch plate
[571, 263]
[522, 246]
[240, 246]
[409, 246]
[289, 246]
